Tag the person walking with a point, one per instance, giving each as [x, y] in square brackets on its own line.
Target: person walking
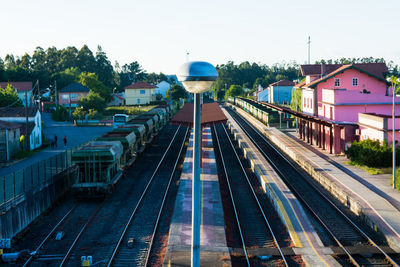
[55, 140]
[65, 141]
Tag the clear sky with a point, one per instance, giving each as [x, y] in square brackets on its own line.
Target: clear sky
[157, 33]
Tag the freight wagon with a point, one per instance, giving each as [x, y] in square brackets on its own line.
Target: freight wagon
[101, 162]
[99, 166]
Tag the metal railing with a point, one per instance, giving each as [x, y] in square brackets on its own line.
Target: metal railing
[33, 177]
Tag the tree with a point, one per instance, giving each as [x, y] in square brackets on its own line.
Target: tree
[93, 101]
[68, 58]
[91, 80]
[85, 59]
[175, 92]
[131, 72]
[296, 99]
[63, 78]
[9, 97]
[155, 78]
[103, 68]
[235, 90]
[79, 113]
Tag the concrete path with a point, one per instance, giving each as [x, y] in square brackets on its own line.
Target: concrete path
[75, 136]
[213, 246]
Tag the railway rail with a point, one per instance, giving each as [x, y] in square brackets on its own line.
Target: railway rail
[81, 214]
[253, 226]
[142, 233]
[95, 238]
[345, 233]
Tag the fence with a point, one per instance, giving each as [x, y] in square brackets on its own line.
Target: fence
[33, 177]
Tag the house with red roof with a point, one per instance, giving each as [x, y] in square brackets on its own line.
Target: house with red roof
[21, 88]
[140, 93]
[339, 93]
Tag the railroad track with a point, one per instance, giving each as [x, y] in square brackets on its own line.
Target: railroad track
[70, 229]
[253, 226]
[142, 225]
[98, 237]
[345, 233]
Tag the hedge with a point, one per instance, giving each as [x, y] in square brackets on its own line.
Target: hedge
[372, 153]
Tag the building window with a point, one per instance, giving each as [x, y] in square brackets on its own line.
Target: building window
[304, 102]
[355, 81]
[73, 96]
[65, 96]
[337, 82]
[138, 101]
[142, 92]
[310, 102]
[331, 113]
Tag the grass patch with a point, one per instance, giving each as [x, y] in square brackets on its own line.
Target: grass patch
[130, 110]
[371, 170]
[22, 154]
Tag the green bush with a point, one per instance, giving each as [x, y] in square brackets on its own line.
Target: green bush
[94, 114]
[60, 114]
[372, 153]
[397, 177]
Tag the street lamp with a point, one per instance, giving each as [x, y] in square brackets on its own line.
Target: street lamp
[197, 78]
[394, 81]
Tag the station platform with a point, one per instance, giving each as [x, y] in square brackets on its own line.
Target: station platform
[213, 247]
[305, 238]
[369, 196]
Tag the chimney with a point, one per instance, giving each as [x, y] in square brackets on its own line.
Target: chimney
[323, 69]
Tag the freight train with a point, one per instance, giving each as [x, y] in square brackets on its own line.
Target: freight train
[101, 162]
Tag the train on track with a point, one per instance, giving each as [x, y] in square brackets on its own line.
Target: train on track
[101, 162]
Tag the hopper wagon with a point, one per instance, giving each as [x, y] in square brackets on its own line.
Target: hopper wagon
[154, 118]
[128, 141]
[99, 167]
[167, 111]
[140, 132]
[173, 107]
[147, 123]
[162, 113]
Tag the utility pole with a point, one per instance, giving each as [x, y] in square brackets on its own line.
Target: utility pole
[69, 106]
[309, 42]
[38, 90]
[55, 94]
[26, 122]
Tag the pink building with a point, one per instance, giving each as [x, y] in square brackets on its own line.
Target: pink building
[338, 93]
[71, 94]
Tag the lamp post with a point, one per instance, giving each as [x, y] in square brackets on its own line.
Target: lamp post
[197, 78]
[394, 81]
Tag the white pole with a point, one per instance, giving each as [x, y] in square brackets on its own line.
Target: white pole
[196, 185]
[309, 42]
[295, 94]
[394, 138]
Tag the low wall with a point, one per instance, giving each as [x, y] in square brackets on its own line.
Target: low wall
[19, 212]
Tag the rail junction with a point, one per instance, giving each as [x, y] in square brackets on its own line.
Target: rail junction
[259, 209]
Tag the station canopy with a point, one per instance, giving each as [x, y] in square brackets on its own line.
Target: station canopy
[211, 114]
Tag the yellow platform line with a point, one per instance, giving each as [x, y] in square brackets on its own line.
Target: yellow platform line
[287, 218]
